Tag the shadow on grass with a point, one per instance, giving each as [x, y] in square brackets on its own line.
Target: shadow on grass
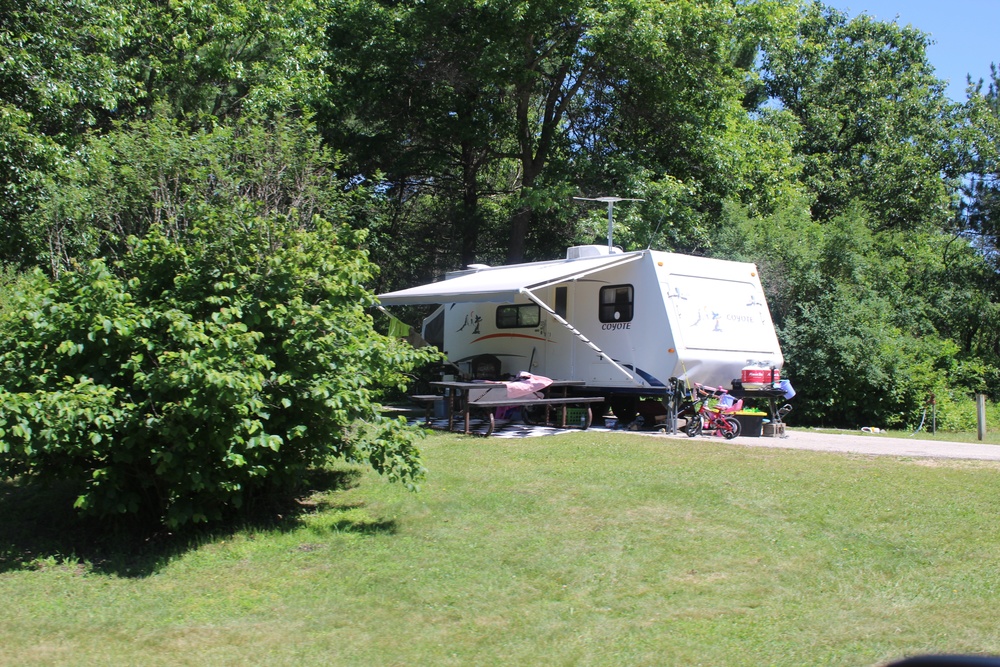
[39, 528]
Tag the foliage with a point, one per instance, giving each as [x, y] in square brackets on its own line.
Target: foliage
[857, 367]
[58, 78]
[201, 370]
[870, 324]
[10, 281]
[982, 192]
[158, 172]
[222, 59]
[518, 108]
[875, 124]
[73, 68]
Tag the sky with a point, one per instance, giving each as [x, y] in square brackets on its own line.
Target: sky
[966, 33]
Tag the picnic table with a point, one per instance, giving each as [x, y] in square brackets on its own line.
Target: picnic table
[462, 397]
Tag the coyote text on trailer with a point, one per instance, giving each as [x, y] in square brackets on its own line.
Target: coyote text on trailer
[624, 323]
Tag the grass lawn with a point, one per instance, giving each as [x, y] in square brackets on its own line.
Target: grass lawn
[579, 549]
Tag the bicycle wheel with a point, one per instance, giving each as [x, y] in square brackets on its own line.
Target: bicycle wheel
[693, 427]
[732, 428]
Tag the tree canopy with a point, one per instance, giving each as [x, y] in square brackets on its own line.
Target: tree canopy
[820, 146]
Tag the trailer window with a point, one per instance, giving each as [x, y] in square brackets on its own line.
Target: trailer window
[616, 303]
[512, 317]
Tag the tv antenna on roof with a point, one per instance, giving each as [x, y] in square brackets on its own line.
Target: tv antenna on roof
[610, 201]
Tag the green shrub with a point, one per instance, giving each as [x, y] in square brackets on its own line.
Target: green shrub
[955, 412]
[201, 370]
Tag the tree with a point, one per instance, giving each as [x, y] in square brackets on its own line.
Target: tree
[871, 323]
[201, 370]
[71, 70]
[58, 79]
[217, 60]
[418, 102]
[160, 172]
[876, 126]
[982, 191]
[520, 105]
[203, 335]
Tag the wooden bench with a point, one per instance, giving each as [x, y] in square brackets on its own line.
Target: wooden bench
[490, 405]
[427, 401]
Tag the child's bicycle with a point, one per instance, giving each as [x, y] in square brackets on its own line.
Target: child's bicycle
[712, 418]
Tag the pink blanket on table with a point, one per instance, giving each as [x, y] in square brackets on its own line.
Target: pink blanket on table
[526, 384]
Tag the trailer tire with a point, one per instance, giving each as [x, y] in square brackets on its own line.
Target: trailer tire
[625, 408]
[533, 415]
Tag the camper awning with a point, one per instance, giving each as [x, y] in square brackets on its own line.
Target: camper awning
[502, 284]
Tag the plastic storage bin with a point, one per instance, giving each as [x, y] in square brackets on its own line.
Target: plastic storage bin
[751, 425]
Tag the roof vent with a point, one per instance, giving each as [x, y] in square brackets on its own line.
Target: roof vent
[581, 251]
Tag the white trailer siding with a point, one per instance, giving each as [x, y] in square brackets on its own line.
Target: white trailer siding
[637, 341]
[470, 329]
[718, 316]
[635, 320]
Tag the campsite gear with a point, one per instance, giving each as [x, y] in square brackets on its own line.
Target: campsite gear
[755, 377]
[786, 387]
[482, 397]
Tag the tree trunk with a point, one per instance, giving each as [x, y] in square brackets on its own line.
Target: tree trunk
[519, 225]
[536, 138]
[471, 221]
[520, 222]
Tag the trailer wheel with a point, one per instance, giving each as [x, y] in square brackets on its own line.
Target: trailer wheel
[625, 408]
[533, 415]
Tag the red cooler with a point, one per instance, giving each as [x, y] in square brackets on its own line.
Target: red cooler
[756, 377]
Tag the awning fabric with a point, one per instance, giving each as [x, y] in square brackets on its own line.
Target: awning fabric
[502, 284]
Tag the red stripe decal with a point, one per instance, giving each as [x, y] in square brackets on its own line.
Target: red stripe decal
[508, 336]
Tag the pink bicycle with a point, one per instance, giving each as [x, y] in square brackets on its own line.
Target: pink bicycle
[713, 417]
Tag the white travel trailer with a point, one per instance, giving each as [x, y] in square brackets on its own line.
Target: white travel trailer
[626, 324]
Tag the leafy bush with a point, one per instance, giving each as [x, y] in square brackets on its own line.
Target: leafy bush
[871, 323]
[859, 368]
[201, 370]
[955, 412]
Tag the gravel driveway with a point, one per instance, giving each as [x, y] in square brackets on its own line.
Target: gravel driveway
[862, 443]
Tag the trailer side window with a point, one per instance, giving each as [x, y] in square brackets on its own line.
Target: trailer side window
[616, 303]
[521, 316]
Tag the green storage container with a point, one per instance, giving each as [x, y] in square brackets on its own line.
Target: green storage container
[576, 416]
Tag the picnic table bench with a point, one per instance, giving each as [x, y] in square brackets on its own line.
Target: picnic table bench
[466, 397]
[427, 401]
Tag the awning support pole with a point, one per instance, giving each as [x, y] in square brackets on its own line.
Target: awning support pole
[579, 335]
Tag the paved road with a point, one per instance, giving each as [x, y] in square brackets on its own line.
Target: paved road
[876, 445]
